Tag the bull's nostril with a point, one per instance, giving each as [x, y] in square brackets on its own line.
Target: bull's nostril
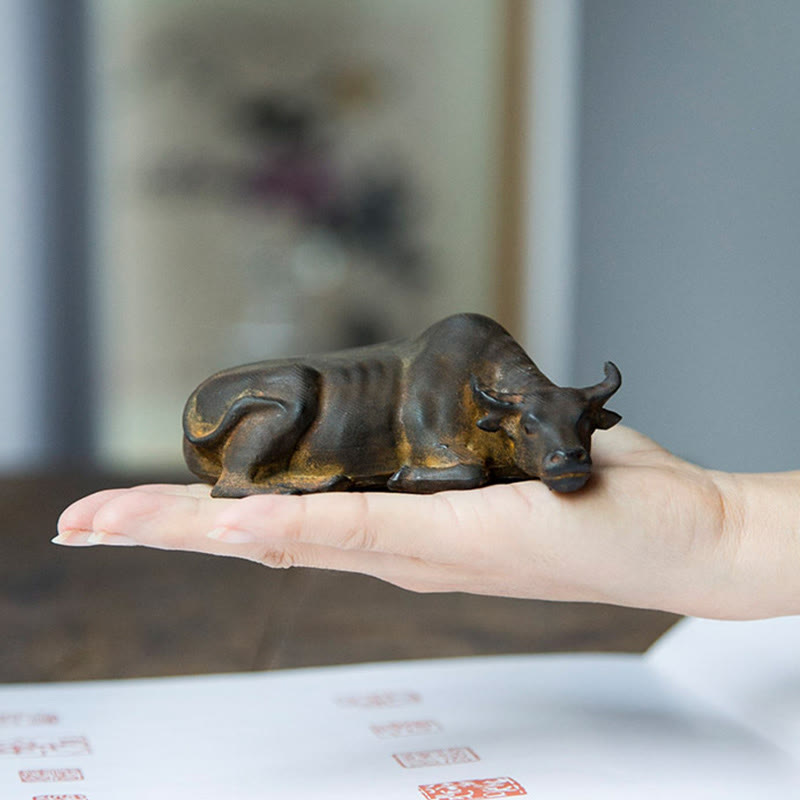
[560, 458]
[578, 455]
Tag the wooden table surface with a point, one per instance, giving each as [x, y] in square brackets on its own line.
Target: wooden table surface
[103, 612]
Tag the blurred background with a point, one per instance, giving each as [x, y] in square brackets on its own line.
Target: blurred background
[190, 184]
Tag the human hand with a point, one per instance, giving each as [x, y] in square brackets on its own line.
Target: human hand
[650, 530]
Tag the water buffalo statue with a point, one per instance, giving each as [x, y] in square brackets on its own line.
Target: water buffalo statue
[460, 406]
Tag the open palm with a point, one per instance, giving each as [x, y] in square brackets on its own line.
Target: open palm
[649, 530]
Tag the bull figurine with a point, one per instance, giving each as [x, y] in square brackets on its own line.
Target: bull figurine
[460, 406]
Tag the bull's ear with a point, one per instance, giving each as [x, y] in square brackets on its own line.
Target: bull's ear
[491, 422]
[497, 406]
[495, 402]
[605, 419]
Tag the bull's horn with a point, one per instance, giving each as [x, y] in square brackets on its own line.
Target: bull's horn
[490, 400]
[603, 390]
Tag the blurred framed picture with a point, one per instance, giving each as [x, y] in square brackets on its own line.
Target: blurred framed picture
[276, 177]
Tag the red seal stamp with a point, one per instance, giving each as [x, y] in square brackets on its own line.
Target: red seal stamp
[396, 730]
[436, 758]
[481, 789]
[60, 797]
[380, 700]
[21, 719]
[50, 775]
[43, 747]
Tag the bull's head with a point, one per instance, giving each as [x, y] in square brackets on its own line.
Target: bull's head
[551, 427]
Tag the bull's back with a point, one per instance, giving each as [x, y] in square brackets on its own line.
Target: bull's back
[355, 430]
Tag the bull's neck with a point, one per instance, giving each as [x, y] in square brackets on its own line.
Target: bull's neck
[510, 369]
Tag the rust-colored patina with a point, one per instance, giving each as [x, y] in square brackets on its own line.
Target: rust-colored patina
[460, 406]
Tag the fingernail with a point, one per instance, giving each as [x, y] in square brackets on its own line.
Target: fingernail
[74, 538]
[230, 536]
[117, 539]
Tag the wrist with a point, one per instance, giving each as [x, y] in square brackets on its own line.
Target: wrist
[759, 545]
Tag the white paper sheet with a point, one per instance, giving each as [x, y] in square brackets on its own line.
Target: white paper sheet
[748, 670]
[573, 726]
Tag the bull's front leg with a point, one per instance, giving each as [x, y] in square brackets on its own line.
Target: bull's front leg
[443, 467]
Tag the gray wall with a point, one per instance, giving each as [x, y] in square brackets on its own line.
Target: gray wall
[45, 376]
[22, 333]
[689, 222]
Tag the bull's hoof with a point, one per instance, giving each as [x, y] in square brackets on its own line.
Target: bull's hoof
[236, 490]
[229, 492]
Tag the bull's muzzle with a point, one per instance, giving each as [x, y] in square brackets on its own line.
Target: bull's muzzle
[567, 470]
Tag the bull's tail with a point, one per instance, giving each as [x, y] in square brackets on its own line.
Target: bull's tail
[238, 409]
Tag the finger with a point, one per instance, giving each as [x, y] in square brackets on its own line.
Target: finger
[377, 523]
[353, 521]
[173, 520]
[79, 516]
[167, 518]
[450, 529]
[173, 516]
[443, 527]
